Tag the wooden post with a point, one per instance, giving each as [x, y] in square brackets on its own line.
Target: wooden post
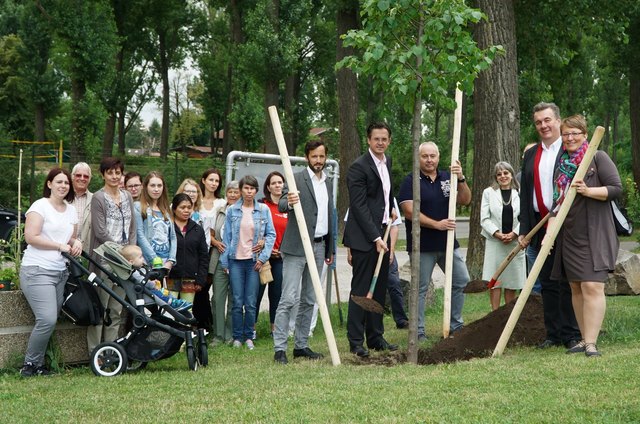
[552, 233]
[453, 194]
[304, 236]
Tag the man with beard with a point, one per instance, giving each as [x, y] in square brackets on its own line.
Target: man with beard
[315, 197]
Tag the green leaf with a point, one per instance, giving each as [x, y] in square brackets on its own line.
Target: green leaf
[383, 5]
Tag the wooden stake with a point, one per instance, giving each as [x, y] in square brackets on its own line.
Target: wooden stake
[304, 236]
[453, 194]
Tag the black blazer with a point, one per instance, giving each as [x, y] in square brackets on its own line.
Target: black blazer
[366, 203]
[192, 255]
[528, 218]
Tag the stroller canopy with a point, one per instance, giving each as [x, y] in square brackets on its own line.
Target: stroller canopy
[110, 252]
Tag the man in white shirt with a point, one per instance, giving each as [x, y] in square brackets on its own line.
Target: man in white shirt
[536, 198]
[315, 197]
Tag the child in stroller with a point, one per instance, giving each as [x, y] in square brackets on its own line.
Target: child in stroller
[133, 254]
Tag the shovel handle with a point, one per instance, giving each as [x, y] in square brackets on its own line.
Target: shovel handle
[505, 263]
[374, 280]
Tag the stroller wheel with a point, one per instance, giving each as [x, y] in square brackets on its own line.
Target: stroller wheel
[203, 353]
[108, 359]
[191, 358]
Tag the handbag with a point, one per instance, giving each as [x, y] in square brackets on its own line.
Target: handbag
[82, 304]
[265, 273]
[624, 226]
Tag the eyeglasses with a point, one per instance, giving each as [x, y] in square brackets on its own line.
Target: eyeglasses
[571, 134]
[190, 191]
[134, 186]
[82, 176]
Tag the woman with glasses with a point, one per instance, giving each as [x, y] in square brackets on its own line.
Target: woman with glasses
[156, 235]
[499, 213]
[133, 184]
[112, 219]
[586, 247]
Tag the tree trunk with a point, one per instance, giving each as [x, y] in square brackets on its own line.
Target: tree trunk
[347, 90]
[39, 122]
[122, 131]
[78, 117]
[109, 135]
[496, 114]
[164, 73]
[271, 99]
[634, 95]
[291, 99]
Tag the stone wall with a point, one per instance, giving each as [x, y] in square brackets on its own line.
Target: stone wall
[16, 322]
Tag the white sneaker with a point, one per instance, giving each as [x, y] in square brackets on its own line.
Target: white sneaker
[249, 344]
[237, 344]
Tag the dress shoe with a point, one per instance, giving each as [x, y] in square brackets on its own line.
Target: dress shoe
[384, 345]
[548, 343]
[280, 357]
[360, 351]
[402, 325]
[307, 353]
[575, 346]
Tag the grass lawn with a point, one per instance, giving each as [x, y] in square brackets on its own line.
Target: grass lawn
[524, 386]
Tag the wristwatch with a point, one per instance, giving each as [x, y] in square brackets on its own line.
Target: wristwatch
[462, 180]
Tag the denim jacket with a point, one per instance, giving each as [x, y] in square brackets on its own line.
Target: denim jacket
[262, 222]
[144, 231]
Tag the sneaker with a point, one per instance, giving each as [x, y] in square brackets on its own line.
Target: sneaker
[31, 370]
[181, 305]
[237, 344]
[250, 344]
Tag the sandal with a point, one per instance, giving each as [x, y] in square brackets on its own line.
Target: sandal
[578, 348]
[590, 349]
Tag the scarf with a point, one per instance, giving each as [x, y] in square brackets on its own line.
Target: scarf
[567, 169]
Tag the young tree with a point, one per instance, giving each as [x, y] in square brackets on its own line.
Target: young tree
[416, 50]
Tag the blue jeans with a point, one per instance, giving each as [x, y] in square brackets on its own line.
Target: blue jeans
[532, 254]
[459, 281]
[244, 288]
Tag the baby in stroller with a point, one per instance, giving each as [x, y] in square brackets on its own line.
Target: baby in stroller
[133, 254]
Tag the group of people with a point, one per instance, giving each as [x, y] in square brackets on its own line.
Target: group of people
[207, 241]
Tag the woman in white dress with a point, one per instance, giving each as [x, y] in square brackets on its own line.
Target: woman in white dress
[499, 213]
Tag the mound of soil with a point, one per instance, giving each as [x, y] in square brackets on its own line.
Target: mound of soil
[478, 339]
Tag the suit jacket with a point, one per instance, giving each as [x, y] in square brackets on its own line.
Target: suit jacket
[84, 226]
[291, 240]
[366, 203]
[528, 218]
[491, 211]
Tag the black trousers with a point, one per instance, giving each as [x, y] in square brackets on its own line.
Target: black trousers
[361, 323]
[559, 318]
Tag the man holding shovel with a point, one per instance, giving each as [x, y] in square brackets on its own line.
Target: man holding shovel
[315, 196]
[435, 186]
[536, 198]
[370, 211]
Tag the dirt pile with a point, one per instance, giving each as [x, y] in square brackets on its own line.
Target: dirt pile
[478, 339]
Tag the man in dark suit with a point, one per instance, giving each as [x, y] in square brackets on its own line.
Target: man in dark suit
[316, 197]
[536, 198]
[370, 211]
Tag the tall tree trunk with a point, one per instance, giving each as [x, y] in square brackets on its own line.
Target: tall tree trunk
[109, 135]
[39, 122]
[78, 119]
[496, 114]
[634, 95]
[291, 99]
[237, 38]
[606, 140]
[122, 131]
[271, 99]
[164, 73]
[347, 90]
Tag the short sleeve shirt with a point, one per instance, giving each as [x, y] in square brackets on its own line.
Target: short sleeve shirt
[434, 203]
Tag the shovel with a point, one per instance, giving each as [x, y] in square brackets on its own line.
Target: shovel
[367, 303]
[477, 286]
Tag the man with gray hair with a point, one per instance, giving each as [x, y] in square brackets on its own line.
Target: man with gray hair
[81, 177]
[435, 188]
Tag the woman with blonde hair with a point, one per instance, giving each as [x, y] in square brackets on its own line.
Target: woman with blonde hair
[192, 189]
[156, 235]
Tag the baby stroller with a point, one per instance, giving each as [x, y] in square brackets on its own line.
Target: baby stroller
[158, 330]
